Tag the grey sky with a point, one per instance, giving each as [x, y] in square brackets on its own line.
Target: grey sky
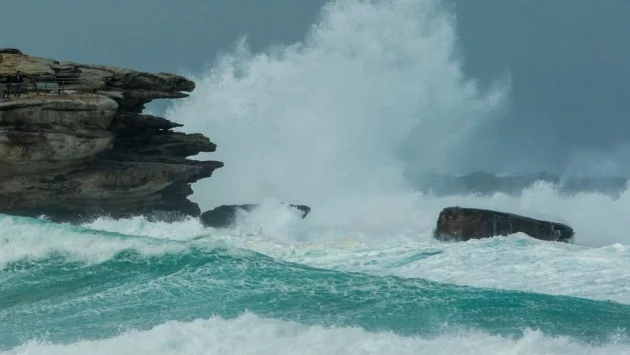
[569, 64]
[568, 59]
[151, 35]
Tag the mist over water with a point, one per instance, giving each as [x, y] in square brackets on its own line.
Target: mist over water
[333, 121]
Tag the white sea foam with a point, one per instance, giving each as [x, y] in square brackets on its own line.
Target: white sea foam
[249, 334]
[600, 270]
[334, 120]
[28, 238]
[517, 262]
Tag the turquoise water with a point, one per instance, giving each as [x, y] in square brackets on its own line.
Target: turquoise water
[63, 301]
[139, 287]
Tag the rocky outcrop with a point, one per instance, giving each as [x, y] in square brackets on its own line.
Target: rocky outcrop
[88, 150]
[130, 89]
[461, 224]
[226, 215]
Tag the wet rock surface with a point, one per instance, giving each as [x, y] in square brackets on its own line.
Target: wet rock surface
[461, 224]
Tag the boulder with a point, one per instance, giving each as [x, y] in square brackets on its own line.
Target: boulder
[461, 224]
[225, 215]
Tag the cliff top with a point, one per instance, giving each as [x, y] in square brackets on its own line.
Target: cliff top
[130, 89]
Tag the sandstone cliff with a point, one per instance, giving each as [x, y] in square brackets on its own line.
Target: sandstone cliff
[87, 150]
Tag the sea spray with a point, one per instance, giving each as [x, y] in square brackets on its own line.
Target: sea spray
[324, 121]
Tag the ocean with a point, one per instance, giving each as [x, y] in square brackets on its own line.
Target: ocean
[335, 122]
[135, 286]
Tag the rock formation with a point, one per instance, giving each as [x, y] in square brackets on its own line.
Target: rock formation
[87, 150]
[225, 216]
[461, 224]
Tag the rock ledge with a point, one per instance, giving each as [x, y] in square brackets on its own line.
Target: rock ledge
[89, 151]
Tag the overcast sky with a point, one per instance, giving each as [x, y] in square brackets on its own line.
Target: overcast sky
[568, 59]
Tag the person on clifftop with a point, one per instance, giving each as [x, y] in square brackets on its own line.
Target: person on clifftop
[7, 89]
[18, 78]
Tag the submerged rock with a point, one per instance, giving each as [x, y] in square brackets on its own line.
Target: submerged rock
[461, 224]
[87, 151]
[225, 215]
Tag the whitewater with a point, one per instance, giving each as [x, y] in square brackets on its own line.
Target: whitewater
[334, 121]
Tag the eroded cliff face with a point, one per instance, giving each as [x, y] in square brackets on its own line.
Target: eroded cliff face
[89, 151]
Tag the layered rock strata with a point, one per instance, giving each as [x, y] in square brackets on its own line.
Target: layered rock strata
[88, 150]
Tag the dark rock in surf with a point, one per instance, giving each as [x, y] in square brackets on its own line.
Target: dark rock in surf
[461, 224]
[225, 216]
